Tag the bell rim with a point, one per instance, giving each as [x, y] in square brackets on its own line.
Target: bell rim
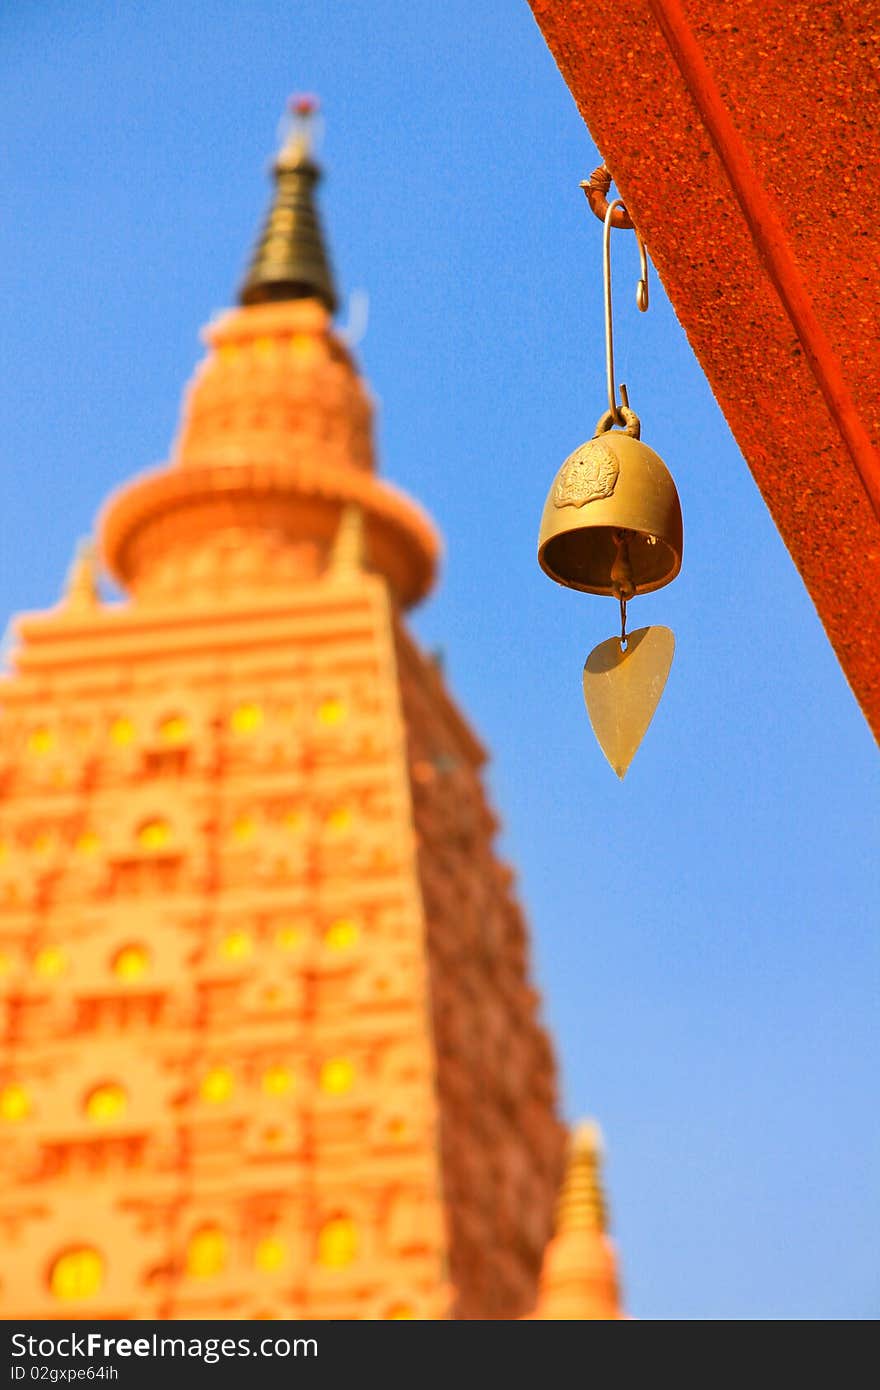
[606, 591]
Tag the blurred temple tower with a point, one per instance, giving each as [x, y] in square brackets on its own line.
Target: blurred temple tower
[270, 1045]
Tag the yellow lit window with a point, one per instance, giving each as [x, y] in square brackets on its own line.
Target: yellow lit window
[107, 1102]
[174, 730]
[5, 963]
[154, 834]
[276, 1081]
[293, 821]
[207, 1253]
[337, 1076]
[88, 843]
[122, 732]
[238, 945]
[246, 719]
[340, 819]
[217, 1085]
[50, 962]
[228, 352]
[41, 741]
[337, 1243]
[341, 934]
[243, 829]
[332, 712]
[15, 1103]
[400, 1310]
[288, 937]
[264, 348]
[270, 1254]
[77, 1274]
[4, 850]
[131, 963]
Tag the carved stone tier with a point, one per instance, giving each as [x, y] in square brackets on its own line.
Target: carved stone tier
[275, 443]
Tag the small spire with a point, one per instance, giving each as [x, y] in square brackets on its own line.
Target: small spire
[291, 261]
[348, 554]
[579, 1270]
[581, 1205]
[81, 585]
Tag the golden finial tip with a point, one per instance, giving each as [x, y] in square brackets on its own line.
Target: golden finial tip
[300, 131]
[303, 104]
[586, 1137]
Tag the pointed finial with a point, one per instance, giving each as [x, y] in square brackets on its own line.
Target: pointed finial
[300, 137]
[81, 585]
[291, 261]
[348, 555]
[579, 1270]
[581, 1205]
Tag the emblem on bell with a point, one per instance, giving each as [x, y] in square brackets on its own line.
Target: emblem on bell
[612, 525]
[589, 473]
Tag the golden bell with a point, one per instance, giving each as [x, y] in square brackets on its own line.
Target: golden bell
[612, 490]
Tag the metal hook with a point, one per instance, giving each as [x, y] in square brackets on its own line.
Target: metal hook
[641, 301]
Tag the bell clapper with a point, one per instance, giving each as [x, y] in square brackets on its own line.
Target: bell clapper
[622, 582]
[612, 525]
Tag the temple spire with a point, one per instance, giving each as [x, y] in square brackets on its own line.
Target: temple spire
[81, 585]
[290, 260]
[581, 1204]
[579, 1275]
[347, 555]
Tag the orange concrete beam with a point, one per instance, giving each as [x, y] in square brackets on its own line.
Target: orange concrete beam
[743, 139]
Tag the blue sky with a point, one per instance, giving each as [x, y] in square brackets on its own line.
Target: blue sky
[705, 934]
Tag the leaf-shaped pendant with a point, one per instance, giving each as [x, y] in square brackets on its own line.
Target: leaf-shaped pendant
[622, 689]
